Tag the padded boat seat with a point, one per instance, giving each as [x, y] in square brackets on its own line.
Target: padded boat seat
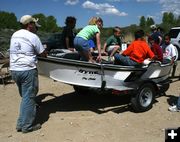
[64, 53]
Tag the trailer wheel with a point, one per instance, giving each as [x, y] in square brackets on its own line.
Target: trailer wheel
[143, 100]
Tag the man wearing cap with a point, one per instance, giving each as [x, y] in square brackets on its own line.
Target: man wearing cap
[155, 34]
[25, 45]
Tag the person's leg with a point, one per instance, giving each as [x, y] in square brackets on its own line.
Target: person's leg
[124, 60]
[114, 50]
[16, 77]
[166, 61]
[82, 46]
[28, 107]
[178, 103]
[29, 89]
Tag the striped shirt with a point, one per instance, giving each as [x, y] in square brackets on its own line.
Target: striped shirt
[88, 32]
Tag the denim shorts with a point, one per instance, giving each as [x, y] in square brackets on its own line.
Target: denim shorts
[81, 44]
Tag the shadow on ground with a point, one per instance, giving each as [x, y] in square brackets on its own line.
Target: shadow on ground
[75, 102]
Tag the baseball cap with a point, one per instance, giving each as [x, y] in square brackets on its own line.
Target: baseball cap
[27, 19]
[153, 27]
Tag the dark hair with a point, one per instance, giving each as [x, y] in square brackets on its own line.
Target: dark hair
[167, 35]
[70, 19]
[139, 34]
[116, 29]
[155, 39]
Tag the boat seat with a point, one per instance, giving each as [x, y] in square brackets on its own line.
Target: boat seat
[64, 53]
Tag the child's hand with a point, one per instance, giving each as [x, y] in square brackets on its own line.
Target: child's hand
[105, 53]
[98, 58]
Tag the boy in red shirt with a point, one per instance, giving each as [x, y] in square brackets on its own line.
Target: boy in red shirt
[156, 49]
[136, 52]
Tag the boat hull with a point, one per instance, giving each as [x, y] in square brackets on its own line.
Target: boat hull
[104, 76]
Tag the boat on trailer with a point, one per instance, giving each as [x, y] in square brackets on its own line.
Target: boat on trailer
[142, 83]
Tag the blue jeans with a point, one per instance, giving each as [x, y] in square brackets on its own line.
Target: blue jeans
[27, 82]
[124, 60]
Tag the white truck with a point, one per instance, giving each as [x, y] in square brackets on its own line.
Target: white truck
[175, 39]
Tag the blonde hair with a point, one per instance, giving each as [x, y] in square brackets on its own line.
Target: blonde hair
[94, 20]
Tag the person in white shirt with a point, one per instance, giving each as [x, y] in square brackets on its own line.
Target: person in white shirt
[169, 52]
[25, 45]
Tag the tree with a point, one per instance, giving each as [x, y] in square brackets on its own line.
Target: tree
[8, 20]
[177, 23]
[142, 23]
[48, 24]
[51, 24]
[149, 21]
[168, 21]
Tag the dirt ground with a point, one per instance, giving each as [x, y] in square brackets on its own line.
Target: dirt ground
[68, 117]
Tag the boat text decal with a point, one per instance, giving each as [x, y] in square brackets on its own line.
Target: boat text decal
[88, 72]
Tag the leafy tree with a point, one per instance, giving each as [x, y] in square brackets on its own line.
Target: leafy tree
[177, 21]
[51, 24]
[142, 23]
[149, 21]
[8, 20]
[168, 21]
[48, 24]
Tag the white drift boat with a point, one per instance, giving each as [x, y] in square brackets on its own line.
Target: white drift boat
[143, 83]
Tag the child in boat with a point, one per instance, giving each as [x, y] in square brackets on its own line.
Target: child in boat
[136, 52]
[81, 40]
[68, 34]
[156, 49]
[169, 50]
[113, 43]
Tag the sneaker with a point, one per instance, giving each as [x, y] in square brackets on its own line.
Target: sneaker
[18, 129]
[34, 128]
[173, 109]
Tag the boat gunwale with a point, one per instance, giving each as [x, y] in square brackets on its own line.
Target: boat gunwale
[91, 65]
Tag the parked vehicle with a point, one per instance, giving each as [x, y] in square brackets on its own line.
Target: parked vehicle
[53, 42]
[175, 39]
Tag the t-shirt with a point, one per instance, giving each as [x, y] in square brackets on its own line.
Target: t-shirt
[156, 36]
[138, 51]
[157, 50]
[113, 40]
[68, 32]
[88, 32]
[24, 48]
[169, 51]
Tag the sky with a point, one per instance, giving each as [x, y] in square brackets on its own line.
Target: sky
[120, 13]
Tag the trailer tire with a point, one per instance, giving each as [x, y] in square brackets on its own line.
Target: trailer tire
[144, 99]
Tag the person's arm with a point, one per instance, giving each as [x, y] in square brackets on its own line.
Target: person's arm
[68, 45]
[98, 43]
[43, 54]
[39, 48]
[104, 48]
[173, 59]
[160, 39]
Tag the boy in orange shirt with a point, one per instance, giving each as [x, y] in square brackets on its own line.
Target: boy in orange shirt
[136, 52]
